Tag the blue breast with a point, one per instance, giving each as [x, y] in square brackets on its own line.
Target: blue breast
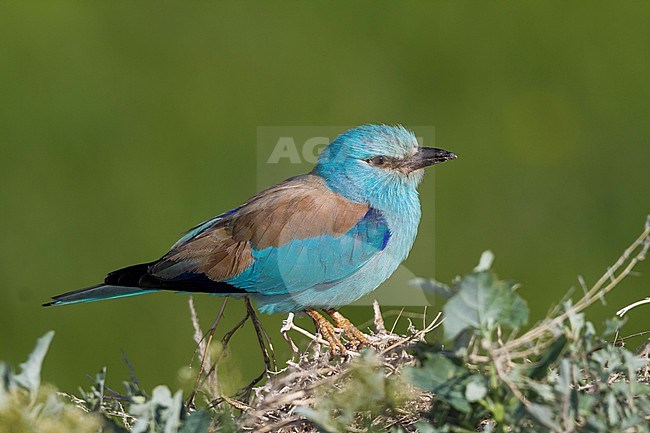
[301, 289]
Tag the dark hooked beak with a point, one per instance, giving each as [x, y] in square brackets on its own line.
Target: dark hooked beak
[427, 156]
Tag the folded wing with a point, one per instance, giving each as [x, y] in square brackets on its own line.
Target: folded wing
[293, 236]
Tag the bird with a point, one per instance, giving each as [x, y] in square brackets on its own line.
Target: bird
[317, 241]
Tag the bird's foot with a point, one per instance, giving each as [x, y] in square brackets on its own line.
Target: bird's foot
[327, 331]
[356, 338]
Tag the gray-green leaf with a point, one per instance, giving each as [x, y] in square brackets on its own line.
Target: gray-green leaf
[482, 303]
[442, 377]
[30, 370]
[475, 390]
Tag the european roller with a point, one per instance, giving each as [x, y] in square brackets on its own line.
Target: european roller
[317, 241]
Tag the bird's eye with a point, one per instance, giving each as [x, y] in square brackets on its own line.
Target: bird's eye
[377, 160]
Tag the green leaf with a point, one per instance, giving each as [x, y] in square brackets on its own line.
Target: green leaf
[442, 377]
[30, 370]
[636, 389]
[612, 326]
[540, 369]
[160, 414]
[197, 422]
[95, 397]
[577, 322]
[6, 382]
[633, 363]
[424, 427]
[543, 390]
[544, 415]
[628, 424]
[323, 419]
[612, 409]
[482, 303]
[476, 389]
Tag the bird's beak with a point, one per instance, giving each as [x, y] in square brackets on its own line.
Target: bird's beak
[427, 156]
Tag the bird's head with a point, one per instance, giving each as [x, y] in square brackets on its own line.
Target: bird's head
[376, 163]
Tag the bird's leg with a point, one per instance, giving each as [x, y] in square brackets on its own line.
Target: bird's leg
[356, 337]
[326, 329]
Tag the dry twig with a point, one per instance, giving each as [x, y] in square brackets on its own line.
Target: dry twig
[274, 404]
[539, 337]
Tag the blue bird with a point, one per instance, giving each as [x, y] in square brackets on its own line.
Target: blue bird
[316, 241]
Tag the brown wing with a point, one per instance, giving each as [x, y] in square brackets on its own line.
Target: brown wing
[298, 208]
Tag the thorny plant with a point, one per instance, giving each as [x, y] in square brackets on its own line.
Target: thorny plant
[559, 376]
[308, 370]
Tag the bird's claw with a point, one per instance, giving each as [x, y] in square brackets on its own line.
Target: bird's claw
[328, 332]
[356, 338]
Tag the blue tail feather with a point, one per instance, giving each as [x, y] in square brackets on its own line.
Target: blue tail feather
[96, 293]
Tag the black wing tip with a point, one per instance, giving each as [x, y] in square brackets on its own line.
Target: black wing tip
[50, 304]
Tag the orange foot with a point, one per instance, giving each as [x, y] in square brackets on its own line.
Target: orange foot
[326, 329]
[357, 338]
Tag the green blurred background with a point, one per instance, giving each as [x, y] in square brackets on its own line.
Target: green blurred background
[123, 123]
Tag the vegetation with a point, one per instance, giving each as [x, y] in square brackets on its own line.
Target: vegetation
[561, 375]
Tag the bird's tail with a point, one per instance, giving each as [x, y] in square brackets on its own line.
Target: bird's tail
[96, 293]
[136, 280]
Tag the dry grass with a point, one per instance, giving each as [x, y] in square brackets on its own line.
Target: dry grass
[274, 406]
[280, 403]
